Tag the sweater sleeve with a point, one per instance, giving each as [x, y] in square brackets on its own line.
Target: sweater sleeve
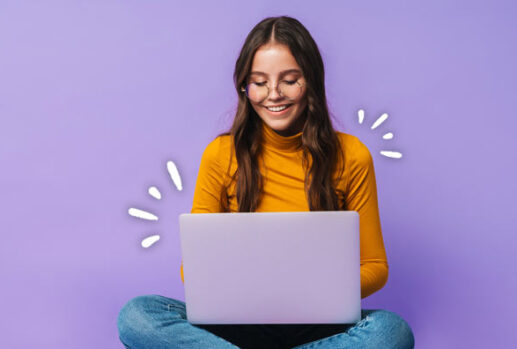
[362, 197]
[209, 184]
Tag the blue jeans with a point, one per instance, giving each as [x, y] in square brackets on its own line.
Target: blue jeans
[159, 322]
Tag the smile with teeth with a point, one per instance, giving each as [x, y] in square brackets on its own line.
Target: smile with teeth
[280, 108]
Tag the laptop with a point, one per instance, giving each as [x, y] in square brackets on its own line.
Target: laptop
[271, 267]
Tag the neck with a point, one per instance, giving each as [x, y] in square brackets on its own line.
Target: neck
[276, 140]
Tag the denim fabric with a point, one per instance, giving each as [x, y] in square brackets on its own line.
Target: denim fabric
[155, 321]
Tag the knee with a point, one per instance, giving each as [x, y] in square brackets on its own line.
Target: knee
[134, 317]
[396, 331]
[130, 316]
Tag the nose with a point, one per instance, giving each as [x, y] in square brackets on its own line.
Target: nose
[274, 93]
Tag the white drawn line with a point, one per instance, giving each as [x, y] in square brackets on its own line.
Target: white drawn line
[150, 240]
[360, 115]
[135, 212]
[391, 154]
[379, 121]
[154, 192]
[175, 176]
[388, 135]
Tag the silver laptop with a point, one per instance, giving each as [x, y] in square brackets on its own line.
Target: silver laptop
[271, 267]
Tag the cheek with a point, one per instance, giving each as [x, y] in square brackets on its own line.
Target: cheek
[304, 102]
[300, 107]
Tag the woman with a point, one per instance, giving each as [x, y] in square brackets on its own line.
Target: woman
[281, 154]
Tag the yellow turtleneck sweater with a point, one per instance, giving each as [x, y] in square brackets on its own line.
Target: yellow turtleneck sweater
[283, 191]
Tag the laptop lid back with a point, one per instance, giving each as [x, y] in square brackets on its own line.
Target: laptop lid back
[271, 267]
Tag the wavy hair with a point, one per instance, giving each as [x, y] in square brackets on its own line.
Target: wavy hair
[320, 144]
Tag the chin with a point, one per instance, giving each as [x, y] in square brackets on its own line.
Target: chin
[278, 125]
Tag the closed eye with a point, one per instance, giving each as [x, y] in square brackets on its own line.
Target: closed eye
[289, 82]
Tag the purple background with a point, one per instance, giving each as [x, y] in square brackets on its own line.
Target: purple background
[96, 96]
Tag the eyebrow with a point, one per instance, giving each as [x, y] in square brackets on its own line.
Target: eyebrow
[288, 71]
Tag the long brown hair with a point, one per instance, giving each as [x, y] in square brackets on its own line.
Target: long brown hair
[320, 144]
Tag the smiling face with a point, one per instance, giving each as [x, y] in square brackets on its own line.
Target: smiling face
[272, 64]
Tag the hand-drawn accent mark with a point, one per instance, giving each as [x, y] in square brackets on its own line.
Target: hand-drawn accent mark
[387, 153]
[155, 193]
[175, 176]
[150, 240]
[138, 213]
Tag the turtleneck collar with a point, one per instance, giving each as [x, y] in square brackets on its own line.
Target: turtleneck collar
[274, 140]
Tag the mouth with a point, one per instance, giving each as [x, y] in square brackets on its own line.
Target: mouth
[278, 109]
